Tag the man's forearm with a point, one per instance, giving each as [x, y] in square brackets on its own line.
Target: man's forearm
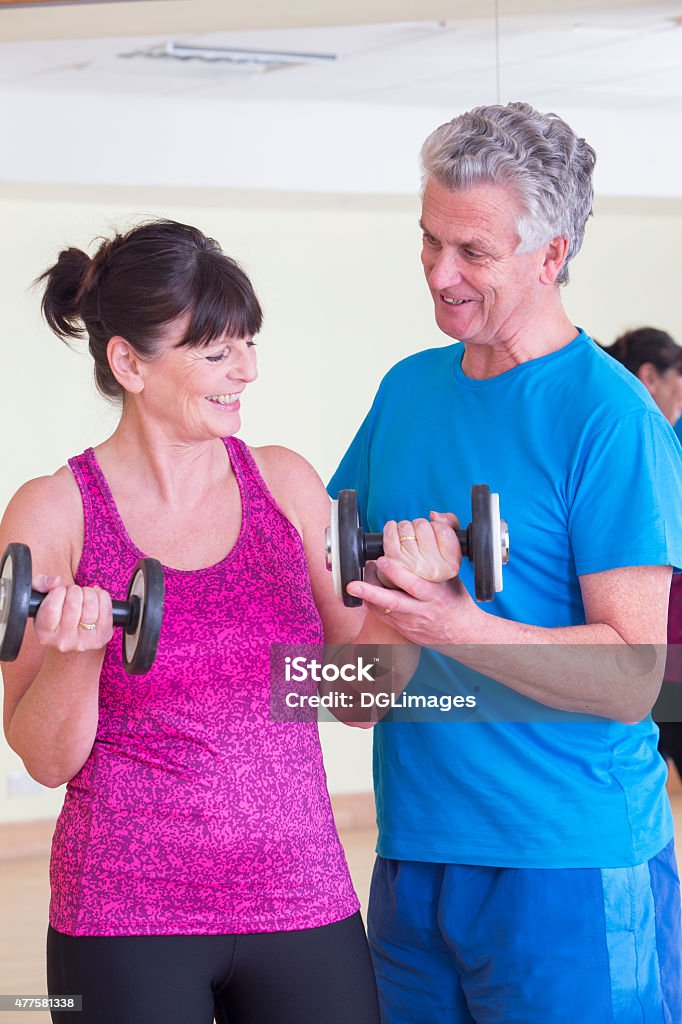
[587, 669]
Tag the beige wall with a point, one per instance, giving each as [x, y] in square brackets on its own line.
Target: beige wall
[344, 298]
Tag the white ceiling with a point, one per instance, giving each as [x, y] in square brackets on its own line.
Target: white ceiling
[620, 59]
[615, 73]
[79, 19]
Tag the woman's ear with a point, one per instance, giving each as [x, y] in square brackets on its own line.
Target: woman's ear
[125, 364]
[649, 376]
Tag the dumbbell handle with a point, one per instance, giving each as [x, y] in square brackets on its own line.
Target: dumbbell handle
[372, 544]
[125, 613]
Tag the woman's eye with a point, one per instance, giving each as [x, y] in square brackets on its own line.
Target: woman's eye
[226, 353]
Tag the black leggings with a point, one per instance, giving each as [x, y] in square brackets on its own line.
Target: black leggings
[315, 976]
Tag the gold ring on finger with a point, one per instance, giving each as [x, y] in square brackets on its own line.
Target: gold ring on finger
[87, 625]
[407, 536]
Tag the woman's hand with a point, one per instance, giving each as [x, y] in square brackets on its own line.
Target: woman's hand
[72, 618]
[428, 549]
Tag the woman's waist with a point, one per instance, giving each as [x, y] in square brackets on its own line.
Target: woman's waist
[227, 841]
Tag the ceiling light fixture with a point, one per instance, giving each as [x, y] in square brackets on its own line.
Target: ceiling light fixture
[238, 58]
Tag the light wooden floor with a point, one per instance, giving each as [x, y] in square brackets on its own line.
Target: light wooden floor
[24, 895]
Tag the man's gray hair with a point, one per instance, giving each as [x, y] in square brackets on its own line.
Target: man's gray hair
[538, 155]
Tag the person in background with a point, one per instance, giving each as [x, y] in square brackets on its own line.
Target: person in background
[655, 358]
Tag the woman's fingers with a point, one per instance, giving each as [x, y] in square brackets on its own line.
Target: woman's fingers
[449, 518]
[428, 549]
[447, 541]
[72, 618]
[105, 616]
[49, 615]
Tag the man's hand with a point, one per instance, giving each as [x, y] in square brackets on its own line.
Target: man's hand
[426, 613]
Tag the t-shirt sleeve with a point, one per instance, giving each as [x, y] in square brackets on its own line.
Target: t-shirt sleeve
[625, 506]
[353, 470]
[678, 429]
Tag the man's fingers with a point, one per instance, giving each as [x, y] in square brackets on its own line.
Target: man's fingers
[405, 579]
[379, 599]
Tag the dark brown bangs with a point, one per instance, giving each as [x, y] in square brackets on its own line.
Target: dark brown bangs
[223, 302]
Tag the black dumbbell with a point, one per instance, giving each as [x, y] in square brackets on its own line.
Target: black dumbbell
[140, 614]
[485, 542]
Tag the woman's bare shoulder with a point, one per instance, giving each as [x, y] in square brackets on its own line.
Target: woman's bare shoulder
[279, 459]
[59, 492]
[293, 482]
[47, 514]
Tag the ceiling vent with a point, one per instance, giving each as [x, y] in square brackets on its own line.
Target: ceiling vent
[232, 58]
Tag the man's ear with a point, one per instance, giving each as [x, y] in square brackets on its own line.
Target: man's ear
[554, 258]
[125, 364]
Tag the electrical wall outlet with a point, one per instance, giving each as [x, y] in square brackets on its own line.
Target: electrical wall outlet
[20, 783]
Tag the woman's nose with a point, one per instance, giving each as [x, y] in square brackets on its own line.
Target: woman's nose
[244, 367]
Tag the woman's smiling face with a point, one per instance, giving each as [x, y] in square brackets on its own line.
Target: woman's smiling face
[195, 389]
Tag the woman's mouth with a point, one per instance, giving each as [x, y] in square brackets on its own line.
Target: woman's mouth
[224, 400]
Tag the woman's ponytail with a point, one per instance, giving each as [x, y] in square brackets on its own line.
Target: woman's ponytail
[63, 296]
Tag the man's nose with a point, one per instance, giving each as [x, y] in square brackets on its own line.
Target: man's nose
[445, 270]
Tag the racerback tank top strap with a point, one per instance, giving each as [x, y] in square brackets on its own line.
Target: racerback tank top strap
[251, 480]
[101, 520]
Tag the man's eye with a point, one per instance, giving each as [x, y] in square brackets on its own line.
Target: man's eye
[429, 239]
[471, 255]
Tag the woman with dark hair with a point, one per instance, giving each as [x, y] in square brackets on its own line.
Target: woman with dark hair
[195, 867]
[656, 359]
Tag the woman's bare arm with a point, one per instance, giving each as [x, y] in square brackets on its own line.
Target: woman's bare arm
[301, 494]
[51, 691]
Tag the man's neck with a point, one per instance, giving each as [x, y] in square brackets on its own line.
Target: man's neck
[544, 336]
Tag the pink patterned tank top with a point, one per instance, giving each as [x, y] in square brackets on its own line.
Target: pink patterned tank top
[195, 813]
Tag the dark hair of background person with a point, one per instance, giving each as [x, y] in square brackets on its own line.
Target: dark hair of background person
[139, 282]
[646, 345]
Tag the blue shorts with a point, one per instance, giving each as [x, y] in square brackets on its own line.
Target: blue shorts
[460, 944]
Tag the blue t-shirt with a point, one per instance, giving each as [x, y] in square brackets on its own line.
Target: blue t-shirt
[678, 429]
[590, 479]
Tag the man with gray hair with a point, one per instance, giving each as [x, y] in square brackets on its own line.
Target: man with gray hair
[526, 871]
